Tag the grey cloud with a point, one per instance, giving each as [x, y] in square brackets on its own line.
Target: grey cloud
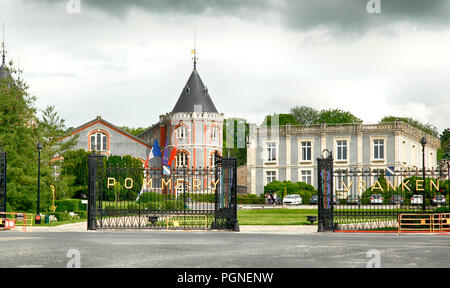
[191, 7]
[352, 15]
[342, 16]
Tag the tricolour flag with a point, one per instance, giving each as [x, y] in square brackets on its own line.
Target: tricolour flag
[155, 152]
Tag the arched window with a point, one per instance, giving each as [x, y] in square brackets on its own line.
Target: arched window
[181, 132]
[99, 142]
[181, 160]
[215, 131]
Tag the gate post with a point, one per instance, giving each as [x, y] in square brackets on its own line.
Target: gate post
[325, 191]
[95, 162]
[225, 207]
[2, 181]
[232, 164]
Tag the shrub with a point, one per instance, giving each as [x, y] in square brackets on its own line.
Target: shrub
[306, 196]
[303, 189]
[250, 199]
[82, 214]
[69, 205]
[61, 216]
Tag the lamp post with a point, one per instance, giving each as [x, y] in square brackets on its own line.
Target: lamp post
[424, 142]
[37, 220]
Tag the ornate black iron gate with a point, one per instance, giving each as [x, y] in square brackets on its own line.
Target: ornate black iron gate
[185, 198]
[2, 181]
[372, 198]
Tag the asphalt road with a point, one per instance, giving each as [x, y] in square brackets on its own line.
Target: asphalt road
[221, 250]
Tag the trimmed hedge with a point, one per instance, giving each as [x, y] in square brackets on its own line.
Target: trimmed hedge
[70, 205]
[250, 199]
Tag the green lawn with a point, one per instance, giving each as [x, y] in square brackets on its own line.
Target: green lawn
[59, 222]
[275, 216]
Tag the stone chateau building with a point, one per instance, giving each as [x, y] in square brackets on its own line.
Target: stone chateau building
[194, 127]
[290, 152]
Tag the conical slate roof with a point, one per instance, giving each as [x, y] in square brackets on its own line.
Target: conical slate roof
[195, 97]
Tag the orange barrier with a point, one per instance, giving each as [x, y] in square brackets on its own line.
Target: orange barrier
[424, 223]
[16, 221]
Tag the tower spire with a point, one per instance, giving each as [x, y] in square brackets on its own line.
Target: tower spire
[194, 51]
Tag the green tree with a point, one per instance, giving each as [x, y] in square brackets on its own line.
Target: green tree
[20, 131]
[50, 130]
[283, 119]
[336, 116]
[18, 137]
[427, 128]
[444, 151]
[134, 131]
[305, 115]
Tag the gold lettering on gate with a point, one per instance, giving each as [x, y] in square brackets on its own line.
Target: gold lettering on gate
[436, 186]
[168, 183]
[404, 185]
[377, 186]
[145, 183]
[196, 186]
[419, 186]
[128, 186]
[109, 182]
[215, 183]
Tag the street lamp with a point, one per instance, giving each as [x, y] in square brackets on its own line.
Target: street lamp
[424, 142]
[37, 220]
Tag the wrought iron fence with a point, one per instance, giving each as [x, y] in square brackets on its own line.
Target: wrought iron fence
[187, 198]
[373, 198]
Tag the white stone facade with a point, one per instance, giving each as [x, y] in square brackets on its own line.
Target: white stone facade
[291, 152]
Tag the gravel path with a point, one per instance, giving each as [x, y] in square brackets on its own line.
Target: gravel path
[271, 229]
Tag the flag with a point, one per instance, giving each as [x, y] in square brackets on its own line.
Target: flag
[155, 152]
[166, 170]
[165, 158]
[172, 156]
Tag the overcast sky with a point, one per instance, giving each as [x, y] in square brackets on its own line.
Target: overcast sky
[128, 61]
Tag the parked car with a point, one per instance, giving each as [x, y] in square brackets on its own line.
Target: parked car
[293, 199]
[439, 199]
[417, 200]
[376, 199]
[353, 199]
[396, 199]
[314, 199]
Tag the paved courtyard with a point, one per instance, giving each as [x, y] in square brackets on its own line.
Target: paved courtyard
[254, 246]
